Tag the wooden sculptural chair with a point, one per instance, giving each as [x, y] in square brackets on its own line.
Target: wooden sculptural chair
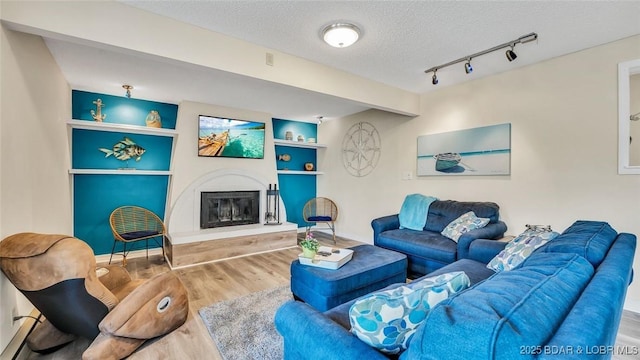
[321, 210]
[58, 275]
[133, 223]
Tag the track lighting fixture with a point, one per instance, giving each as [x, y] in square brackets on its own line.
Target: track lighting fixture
[128, 88]
[511, 55]
[467, 67]
[320, 118]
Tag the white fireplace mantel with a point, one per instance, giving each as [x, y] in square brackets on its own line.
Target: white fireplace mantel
[184, 220]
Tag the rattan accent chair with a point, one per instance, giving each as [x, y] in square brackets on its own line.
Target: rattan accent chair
[321, 210]
[133, 223]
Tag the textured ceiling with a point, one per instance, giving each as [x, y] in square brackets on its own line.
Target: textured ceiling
[403, 38]
[400, 40]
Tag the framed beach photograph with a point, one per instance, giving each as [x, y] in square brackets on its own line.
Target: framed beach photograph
[478, 151]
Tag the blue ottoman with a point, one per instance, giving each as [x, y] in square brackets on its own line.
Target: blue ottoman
[371, 268]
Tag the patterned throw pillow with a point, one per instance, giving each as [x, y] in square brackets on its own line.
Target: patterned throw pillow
[520, 248]
[388, 319]
[466, 222]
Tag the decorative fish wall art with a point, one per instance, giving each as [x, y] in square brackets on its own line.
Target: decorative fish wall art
[125, 150]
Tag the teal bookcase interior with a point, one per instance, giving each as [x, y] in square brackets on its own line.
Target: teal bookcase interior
[121, 110]
[86, 153]
[96, 196]
[307, 130]
[295, 189]
[297, 158]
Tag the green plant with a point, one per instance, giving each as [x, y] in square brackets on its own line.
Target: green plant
[310, 243]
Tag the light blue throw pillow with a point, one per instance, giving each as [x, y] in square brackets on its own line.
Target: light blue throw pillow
[465, 223]
[388, 319]
[520, 248]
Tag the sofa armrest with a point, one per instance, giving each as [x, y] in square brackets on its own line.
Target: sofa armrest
[384, 223]
[483, 250]
[492, 231]
[308, 334]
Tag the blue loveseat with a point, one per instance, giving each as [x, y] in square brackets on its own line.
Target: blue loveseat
[564, 301]
[428, 250]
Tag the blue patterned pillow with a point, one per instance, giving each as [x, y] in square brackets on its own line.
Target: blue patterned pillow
[519, 249]
[466, 222]
[388, 319]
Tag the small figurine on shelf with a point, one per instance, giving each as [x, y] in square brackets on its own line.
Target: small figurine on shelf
[153, 119]
[98, 115]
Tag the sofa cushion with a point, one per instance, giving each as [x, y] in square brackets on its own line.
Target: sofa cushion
[519, 249]
[387, 319]
[425, 244]
[442, 212]
[465, 223]
[589, 239]
[495, 318]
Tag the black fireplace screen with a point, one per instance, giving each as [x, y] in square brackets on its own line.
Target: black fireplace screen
[228, 208]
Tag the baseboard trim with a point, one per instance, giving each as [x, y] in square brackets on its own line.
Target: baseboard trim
[15, 350]
[117, 258]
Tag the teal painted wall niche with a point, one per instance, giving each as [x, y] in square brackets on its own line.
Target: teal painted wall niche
[96, 194]
[295, 189]
[121, 110]
[86, 153]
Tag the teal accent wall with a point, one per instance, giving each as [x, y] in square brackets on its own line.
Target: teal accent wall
[86, 153]
[96, 196]
[295, 190]
[121, 110]
[307, 130]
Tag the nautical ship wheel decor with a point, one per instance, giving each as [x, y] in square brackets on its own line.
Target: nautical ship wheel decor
[361, 149]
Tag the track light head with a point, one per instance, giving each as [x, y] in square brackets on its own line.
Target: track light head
[434, 78]
[467, 67]
[510, 54]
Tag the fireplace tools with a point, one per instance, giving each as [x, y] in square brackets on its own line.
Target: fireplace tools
[272, 215]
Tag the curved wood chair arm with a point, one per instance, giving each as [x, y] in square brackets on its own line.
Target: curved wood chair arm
[158, 306]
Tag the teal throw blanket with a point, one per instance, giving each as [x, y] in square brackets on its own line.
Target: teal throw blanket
[414, 210]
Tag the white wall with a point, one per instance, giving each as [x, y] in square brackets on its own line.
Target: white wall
[187, 166]
[564, 149]
[34, 152]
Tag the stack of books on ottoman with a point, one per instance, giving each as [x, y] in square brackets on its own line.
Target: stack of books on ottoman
[328, 258]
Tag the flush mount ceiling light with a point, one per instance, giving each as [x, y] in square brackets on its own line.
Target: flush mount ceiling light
[340, 35]
[511, 55]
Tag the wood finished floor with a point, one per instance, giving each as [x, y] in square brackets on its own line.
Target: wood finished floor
[233, 278]
[206, 284]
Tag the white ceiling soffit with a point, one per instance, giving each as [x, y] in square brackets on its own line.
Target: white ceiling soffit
[98, 70]
[401, 39]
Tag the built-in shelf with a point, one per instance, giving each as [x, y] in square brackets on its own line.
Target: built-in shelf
[299, 144]
[298, 172]
[118, 172]
[134, 129]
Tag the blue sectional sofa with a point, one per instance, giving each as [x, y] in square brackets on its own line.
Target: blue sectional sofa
[428, 250]
[564, 301]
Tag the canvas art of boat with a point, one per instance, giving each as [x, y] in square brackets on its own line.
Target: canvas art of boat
[213, 144]
[446, 161]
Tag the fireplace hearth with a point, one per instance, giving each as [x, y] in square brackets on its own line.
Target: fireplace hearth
[229, 208]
